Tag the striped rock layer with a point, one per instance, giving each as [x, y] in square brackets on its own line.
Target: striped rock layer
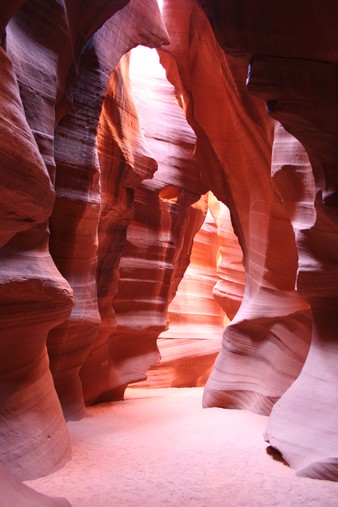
[112, 161]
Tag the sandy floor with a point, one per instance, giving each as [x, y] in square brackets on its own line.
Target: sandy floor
[160, 448]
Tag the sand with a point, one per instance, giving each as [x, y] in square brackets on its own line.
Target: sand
[160, 448]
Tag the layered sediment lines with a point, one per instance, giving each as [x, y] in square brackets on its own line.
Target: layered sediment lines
[295, 72]
[311, 451]
[195, 319]
[55, 72]
[106, 163]
[80, 177]
[265, 345]
[160, 221]
[229, 288]
[34, 296]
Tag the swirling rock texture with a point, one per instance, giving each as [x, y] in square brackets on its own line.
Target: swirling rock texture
[44, 92]
[158, 238]
[189, 347]
[74, 223]
[101, 185]
[34, 296]
[264, 346]
[229, 288]
[294, 70]
[208, 296]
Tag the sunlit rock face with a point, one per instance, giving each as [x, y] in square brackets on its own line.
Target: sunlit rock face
[294, 70]
[189, 347]
[229, 288]
[208, 296]
[156, 224]
[33, 295]
[265, 344]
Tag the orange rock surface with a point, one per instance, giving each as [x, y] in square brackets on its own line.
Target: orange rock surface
[84, 182]
[195, 320]
[294, 71]
[112, 164]
[265, 345]
[159, 221]
[55, 70]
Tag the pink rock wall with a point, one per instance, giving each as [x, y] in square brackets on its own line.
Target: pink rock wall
[13, 492]
[161, 225]
[53, 89]
[101, 185]
[265, 345]
[294, 71]
[78, 207]
[229, 288]
[124, 160]
[34, 296]
[311, 452]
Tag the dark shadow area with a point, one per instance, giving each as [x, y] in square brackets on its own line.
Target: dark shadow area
[276, 455]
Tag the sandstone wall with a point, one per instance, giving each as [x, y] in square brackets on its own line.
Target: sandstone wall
[265, 344]
[294, 71]
[56, 69]
[105, 170]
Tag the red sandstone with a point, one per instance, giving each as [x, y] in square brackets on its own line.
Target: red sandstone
[107, 170]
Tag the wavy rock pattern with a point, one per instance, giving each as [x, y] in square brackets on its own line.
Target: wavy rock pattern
[255, 365]
[124, 161]
[78, 207]
[26, 200]
[158, 238]
[34, 296]
[296, 74]
[311, 448]
[229, 288]
[189, 347]
[101, 185]
[54, 113]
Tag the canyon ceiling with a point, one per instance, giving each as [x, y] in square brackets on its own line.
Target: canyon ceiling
[113, 161]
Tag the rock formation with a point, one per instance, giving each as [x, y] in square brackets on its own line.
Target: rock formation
[81, 175]
[295, 72]
[264, 346]
[13, 492]
[195, 320]
[52, 93]
[158, 238]
[34, 296]
[209, 294]
[311, 448]
[106, 166]
[229, 289]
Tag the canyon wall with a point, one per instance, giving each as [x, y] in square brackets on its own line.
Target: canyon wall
[167, 212]
[53, 88]
[107, 163]
[294, 71]
[191, 343]
[265, 345]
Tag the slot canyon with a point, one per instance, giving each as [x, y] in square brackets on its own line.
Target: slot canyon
[169, 225]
